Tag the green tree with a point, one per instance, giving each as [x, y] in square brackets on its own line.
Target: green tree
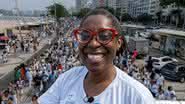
[177, 14]
[159, 15]
[178, 3]
[83, 12]
[144, 18]
[126, 17]
[57, 10]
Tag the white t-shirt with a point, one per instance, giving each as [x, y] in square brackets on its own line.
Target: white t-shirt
[68, 89]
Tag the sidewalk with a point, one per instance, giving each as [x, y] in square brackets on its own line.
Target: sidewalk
[6, 69]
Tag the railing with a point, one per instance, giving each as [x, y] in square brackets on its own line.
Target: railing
[169, 102]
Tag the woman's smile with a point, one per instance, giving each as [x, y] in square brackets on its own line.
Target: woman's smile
[95, 58]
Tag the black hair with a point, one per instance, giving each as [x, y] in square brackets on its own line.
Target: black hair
[115, 24]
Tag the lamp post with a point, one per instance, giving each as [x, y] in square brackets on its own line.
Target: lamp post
[18, 17]
[55, 16]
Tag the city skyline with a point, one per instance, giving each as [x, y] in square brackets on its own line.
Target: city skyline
[34, 4]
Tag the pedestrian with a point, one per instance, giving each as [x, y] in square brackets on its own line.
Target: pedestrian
[8, 48]
[5, 97]
[170, 93]
[149, 66]
[99, 80]
[34, 99]
[29, 76]
[4, 57]
[135, 54]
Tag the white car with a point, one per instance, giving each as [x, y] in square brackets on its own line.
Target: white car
[158, 63]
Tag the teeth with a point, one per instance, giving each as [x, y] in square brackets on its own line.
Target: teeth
[95, 58]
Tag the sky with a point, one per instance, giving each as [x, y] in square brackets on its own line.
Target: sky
[33, 4]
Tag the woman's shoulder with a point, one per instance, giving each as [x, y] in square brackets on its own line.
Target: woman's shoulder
[76, 70]
[73, 73]
[133, 86]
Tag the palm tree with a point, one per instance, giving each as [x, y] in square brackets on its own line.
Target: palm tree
[177, 12]
[159, 14]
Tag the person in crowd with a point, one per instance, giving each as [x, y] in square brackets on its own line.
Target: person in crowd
[5, 97]
[150, 64]
[4, 56]
[160, 95]
[34, 99]
[99, 80]
[29, 76]
[134, 55]
[0, 97]
[170, 94]
[20, 84]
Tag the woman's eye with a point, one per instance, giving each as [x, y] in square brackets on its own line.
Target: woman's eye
[105, 35]
[84, 35]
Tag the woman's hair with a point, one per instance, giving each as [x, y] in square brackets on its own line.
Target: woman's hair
[115, 24]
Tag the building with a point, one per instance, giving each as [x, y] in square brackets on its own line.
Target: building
[139, 7]
[118, 5]
[171, 42]
[81, 4]
[154, 7]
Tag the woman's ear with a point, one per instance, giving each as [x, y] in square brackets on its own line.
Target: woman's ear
[120, 42]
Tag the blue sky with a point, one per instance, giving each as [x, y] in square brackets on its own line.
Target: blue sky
[33, 4]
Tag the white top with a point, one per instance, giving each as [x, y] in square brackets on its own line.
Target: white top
[69, 89]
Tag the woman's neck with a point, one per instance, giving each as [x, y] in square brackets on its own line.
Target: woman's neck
[106, 75]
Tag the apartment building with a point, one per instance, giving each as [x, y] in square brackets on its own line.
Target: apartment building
[138, 7]
[81, 4]
[121, 5]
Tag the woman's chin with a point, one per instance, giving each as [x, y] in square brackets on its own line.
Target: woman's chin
[95, 67]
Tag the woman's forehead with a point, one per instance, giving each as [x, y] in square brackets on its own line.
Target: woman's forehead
[96, 21]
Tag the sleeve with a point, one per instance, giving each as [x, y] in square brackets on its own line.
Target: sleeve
[52, 95]
[147, 98]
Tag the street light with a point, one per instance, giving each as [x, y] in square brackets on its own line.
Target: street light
[54, 3]
[18, 18]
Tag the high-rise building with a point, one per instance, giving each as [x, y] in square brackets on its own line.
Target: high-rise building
[118, 5]
[81, 4]
[99, 3]
[78, 5]
[138, 7]
[122, 6]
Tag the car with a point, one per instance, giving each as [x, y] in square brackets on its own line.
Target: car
[159, 62]
[174, 72]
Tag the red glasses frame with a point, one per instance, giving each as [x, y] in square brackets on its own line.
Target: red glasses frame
[114, 34]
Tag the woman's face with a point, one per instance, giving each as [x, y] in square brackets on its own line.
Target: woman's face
[95, 56]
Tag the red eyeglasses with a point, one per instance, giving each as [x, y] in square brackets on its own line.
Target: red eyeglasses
[103, 36]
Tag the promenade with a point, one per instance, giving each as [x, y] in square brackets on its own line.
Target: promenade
[7, 69]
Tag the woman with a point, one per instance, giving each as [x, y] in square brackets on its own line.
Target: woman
[34, 99]
[98, 81]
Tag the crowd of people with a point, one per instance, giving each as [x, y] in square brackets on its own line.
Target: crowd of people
[61, 55]
[146, 74]
[42, 72]
[26, 43]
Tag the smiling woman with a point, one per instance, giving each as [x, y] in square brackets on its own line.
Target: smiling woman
[99, 81]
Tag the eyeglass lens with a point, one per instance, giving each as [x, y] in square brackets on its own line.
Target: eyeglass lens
[102, 36]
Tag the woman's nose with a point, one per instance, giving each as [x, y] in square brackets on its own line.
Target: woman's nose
[93, 42]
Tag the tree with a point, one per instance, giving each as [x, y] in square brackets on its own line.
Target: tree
[144, 18]
[159, 14]
[83, 12]
[57, 10]
[178, 3]
[126, 17]
[177, 13]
